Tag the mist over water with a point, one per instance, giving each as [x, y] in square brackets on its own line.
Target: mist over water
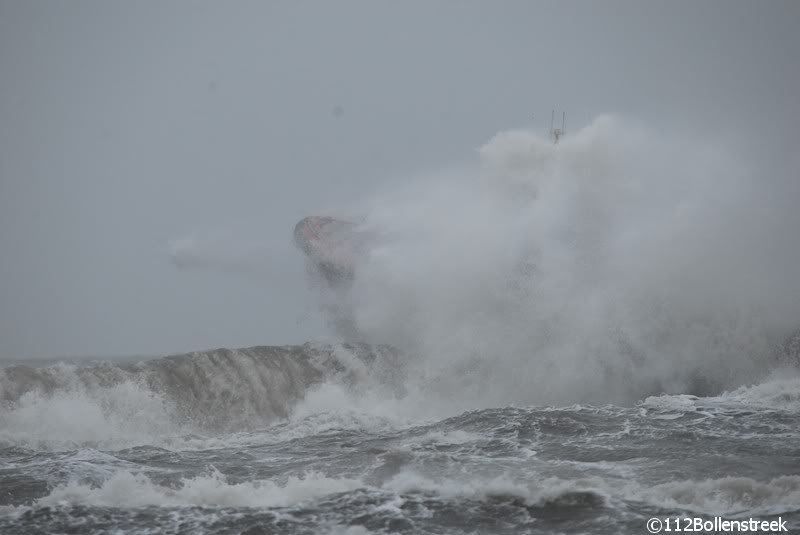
[226, 252]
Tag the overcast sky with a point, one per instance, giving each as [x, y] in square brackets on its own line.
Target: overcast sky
[125, 125]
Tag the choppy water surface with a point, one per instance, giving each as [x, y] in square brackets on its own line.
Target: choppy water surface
[290, 440]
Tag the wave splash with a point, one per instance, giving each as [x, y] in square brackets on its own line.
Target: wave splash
[609, 267]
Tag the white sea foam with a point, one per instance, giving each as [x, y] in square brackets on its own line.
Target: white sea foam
[729, 496]
[775, 393]
[779, 393]
[128, 489]
[726, 496]
[123, 415]
[720, 496]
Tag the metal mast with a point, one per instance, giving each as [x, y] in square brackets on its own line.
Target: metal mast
[556, 133]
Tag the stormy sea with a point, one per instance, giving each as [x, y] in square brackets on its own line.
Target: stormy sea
[257, 440]
[564, 338]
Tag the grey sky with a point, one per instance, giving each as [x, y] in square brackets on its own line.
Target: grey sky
[124, 125]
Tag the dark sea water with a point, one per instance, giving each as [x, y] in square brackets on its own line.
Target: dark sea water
[299, 439]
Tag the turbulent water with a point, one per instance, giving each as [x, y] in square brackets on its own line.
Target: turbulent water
[561, 339]
[326, 439]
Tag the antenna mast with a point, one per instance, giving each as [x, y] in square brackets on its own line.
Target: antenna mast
[556, 133]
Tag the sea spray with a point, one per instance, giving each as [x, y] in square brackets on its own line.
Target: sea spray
[619, 263]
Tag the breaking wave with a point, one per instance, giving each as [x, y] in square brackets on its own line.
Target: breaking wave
[126, 489]
[312, 387]
[68, 405]
[723, 496]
